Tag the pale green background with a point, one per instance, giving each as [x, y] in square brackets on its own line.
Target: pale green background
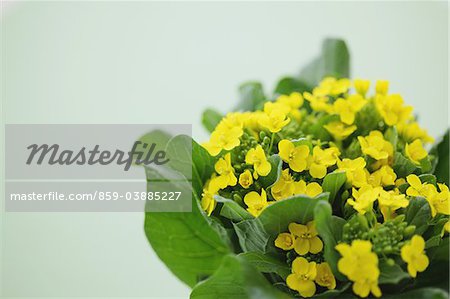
[117, 62]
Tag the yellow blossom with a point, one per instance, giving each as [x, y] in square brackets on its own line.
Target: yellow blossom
[414, 255]
[385, 176]
[364, 198]
[302, 277]
[325, 277]
[257, 158]
[338, 130]
[391, 201]
[285, 241]
[415, 151]
[227, 139]
[306, 238]
[330, 86]
[412, 131]
[375, 146]
[360, 265]
[226, 172]
[347, 109]
[417, 188]
[361, 86]
[284, 187]
[320, 160]
[382, 87]
[354, 170]
[312, 189]
[246, 179]
[256, 203]
[392, 109]
[440, 201]
[294, 101]
[318, 103]
[295, 156]
[274, 117]
[208, 202]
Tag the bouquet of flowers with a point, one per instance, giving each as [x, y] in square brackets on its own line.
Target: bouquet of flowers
[328, 188]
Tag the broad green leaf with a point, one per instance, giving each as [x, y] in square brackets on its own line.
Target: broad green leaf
[157, 137]
[236, 278]
[251, 96]
[440, 253]
[266, 264]
[288, 85]
[418, 213]
[330, 231]
[251, 235]
[442, 168]
[277, 216]
[274, 174]
[391, 274]
[433, 242]
[210, 119]
[424, 293]
[332, 183]
[232, 210]
[402, 165]
[334, 61]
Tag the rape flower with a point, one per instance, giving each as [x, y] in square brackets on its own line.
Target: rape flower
[284, 187]
[223, 139]
[355, 171]
[375, 146]
[256, 203]
[417, 188]
[414, 255]
[412, 131]
[246, 179]
[294, 101]
[348, 108]
[325, 277]
[360, 265]
[285, 241]
[302, 277]
[295, 156]
[391, 109]
[320, 160]
[385, 176]
[361, 86]
[226, 172]
[208, 202]
[382, 87]
[330, 86]
[415, 151]
[318, 103]
[364, 198]
[274, 117]
[440, 201]
[338, 130]
[391, 201]
[257, 158]
[312, 189]
[306, 238]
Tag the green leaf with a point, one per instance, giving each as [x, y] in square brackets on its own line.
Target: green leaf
[157, 137]
[433, 242]
[232, 210]
[252, 236]
[251, 96]
[210, 119]
[288, 85]
[266, 264]
[333, 182]
[330, 231]
[440, 253]
[418, 213]
[391, 135]
[334, 61]
[442, 168]
[274, 174]
[334, 293]
[402, 165]
[424, 293]
[391, 274]
[236, 278]
[428, 178]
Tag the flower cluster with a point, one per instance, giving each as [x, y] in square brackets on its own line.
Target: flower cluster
[293, 146]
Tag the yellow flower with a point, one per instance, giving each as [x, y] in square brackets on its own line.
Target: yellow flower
[364, 198]
[318, 103]
[414, 255]
[256, 203]
[208, 202]
[338, 130]
[375, 146]
[385, 176]
[294, 101]
[360, 265]
[320, 160]
[325, 277]
[226, 172]
[302, 277]
[284, 187]
[382, 87]
[295, 156]
[227, 139]
[355, 171]
[415, 151]
[440, 201]
[391, 201]
[312, 189]
[392, 110]
[332, 87]
[417, 188]
[361, 86]
[306, 238]
[257, 158]
[347, 109]
[285, 241]
[274, 117]
[412, 131]
[246, 179]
